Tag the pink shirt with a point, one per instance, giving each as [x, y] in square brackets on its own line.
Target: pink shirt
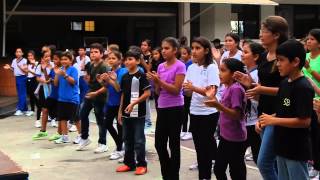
[168, 74]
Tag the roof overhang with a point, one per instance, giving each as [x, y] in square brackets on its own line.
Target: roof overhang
[249, 2]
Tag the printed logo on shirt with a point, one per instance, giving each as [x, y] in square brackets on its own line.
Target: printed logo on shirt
[286, 102]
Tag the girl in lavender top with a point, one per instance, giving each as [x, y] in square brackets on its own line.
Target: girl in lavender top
[168, 84]
[233, 133]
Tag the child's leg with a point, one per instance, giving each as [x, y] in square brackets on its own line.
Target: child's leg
[98, 111]
[21, 83]
[291, 169]
[237, 165]
[187, 101]
[128, 138]
[59, 127]
[222, 159]
[140, 141]
[44, 119]
[109, 118]
[254, 141]
[120, 136]
[64, 127]
[78, 125]
[84, 116]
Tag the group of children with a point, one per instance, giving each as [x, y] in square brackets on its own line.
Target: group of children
[263, 96]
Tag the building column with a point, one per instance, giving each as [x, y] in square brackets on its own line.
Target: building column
[215, 22]
[184, 15]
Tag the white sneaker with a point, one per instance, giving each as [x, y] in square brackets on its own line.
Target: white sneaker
[187, 136]
[121, 160]
[116, 155]
[73, 128]
[101, 148]
[29, 113]
[193, 166]
[62, 139]
[53, 123]
[83, 143]
[18, 113]
[77, 140]
[37, 124]
[182, 134]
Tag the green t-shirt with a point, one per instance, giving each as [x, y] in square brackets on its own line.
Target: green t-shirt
[94, 85]
[315, 66]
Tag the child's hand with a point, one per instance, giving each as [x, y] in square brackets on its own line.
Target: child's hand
[216, 54]
[112, 75]
[243, 78]
[105, 77]
[211, 92]
[316, 105]
[188, 86]
[266, 120]
[120, 118]
[129, 108]
[252, 93]
[258, 127]
[153, 76]
[212, 102]
[6, 66]
[91, 95]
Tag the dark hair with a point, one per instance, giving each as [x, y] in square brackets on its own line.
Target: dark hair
[183, 41]
[205, 43]
[19, 48]
[159, 49]
[148, 41]
[234, 65]
[118, 54]
[135, 52]
[315, 33]
[292, 49]
[277, 24]
[186, 48]
[52, 48]
[58, 54]
[31, 52]
[97, 46]
[82, 47]
[68, 55]
[256, 49]
[172, 41]
[235, 37]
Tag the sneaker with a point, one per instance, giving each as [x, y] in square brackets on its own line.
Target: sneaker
[193, 166]
[39, 135]
[121, 160]
[73, 128]
[83, 143]
[182, 134]
[29, 113]
[101, 148]
[62, 139]
[18, 113]
[53, 123]
[141, 170]
[116, 155]
[187, 137]
[124, 168]
[37, 124]
[312, 172]
[77, 139]
[54, 137]
[249, 158]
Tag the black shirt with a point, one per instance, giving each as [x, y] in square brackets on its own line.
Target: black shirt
[94, 85]
[155, 64]
[132, 87]
[295, 101]
[269, 76]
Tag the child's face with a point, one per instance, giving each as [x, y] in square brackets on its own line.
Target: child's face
[156, 55]
[112, 60]
[247, 57]
[81, 52]
[95, 54]
[56, 60]
[30, 57]
[230, 43]
[144, 47]
[46, 57]
[131, 63]
[312, 43]
[285, 67]
[266, 37]
[184, 54]
[225, 74]
[19, 53]
[65, 61]
[168, 52]
[198, 52]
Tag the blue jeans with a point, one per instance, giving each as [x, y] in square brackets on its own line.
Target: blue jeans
[86, 107]
[148, 122]
[134, 142]
[291, 169]
[267, 156]
[21, 85]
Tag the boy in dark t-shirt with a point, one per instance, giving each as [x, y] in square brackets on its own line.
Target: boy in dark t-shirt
[293, 115]
[135, 90]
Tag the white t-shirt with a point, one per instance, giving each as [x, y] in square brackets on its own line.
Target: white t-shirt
[226, 54]
[15, 65]
[202, 77]
[252, 116]
[33, 69]
[40, 74]
[86, 61]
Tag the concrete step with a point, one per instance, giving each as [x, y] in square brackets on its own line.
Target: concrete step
[7, 106]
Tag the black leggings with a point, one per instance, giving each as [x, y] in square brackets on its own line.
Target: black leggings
[168, 129]
[232, 154]
[187, 101]
[110, 115]
[31, 87]
[253, 141]
[315, 139]
[203, 128]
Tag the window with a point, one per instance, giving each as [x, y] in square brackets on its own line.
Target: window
[89, 26]
[76, 26]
